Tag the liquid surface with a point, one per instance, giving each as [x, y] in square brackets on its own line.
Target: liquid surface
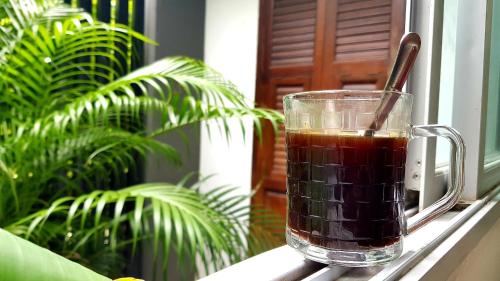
[346, 192]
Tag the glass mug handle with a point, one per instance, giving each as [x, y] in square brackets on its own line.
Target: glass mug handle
[455, 178]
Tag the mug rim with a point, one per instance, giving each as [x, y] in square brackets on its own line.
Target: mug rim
[310, 95]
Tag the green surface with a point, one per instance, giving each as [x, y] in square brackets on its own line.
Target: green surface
[24, 261]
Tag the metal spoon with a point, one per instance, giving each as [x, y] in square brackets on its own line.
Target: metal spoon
[407, 53]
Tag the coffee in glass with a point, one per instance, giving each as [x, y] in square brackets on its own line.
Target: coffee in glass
[345, 189]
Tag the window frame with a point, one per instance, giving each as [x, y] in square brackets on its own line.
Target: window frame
[491, 169]
[471, 86]
[471, 79]
[426, 17]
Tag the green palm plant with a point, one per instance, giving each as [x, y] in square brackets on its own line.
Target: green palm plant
[71, 111]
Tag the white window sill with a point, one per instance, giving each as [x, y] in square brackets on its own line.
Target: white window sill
[424, 250]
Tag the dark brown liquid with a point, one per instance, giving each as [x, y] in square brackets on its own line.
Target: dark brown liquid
[346, 192]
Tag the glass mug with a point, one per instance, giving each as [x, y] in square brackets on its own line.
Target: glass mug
[345, 188]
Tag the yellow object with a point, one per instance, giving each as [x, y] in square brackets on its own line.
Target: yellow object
[128, 279]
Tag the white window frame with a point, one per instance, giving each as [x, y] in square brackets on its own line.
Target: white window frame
[471, 86]
[426, 17]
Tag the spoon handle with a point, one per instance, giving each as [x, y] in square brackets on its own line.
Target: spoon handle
[407, 53]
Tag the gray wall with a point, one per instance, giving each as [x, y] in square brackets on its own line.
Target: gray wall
[178, 27]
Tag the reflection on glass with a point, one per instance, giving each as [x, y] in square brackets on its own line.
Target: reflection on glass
[448, 55]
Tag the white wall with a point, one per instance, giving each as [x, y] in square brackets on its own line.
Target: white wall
[231, 47]
[482, 261]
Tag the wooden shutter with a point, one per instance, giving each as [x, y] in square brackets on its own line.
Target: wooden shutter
[310, 45]
[360, 39]
[285, 65]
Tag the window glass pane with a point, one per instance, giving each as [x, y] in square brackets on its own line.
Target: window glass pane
[492, 146]
[447, 76]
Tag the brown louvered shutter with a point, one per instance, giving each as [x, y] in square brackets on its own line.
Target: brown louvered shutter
[360, 39]
[310, 45]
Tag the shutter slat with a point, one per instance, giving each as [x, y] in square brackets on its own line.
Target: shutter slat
[280, 160]
[349, 1]
[281, 153]
[295, 16]
[384, 27]
[365, 13]
[356, 6]
[288, 9]
[297, 61]
[363, 21]
[375, 54]
[304, 23]
[363, 38]
[294, 54]
[289, 89]
[292, 39]
[293, 31]
[286, 3]
[303, 45]
[363, 46]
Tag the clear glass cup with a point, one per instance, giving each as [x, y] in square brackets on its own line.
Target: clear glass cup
[345, 188]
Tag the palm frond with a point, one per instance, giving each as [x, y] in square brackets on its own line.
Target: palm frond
[18, 16]
[41, 158]
[60, 67]
[184, 90]
[192, 223]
